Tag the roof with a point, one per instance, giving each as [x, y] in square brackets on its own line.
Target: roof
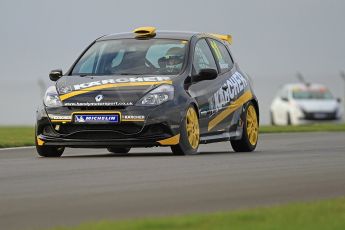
[160, 34]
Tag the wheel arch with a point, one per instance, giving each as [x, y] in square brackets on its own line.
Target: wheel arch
[196, 108]
[256, 106]
[184, 111]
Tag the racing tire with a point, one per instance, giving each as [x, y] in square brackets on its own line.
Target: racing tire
[272, 119]
[50, 151]
[250, 132]
[288, 119]
[189, 134]
[117, 150]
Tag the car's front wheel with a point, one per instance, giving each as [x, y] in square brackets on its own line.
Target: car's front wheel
[117, 150]
[273, 122]
[250, 131]
[189, 134]
[288, 119]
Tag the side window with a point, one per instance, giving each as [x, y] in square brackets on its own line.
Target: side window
[222, 54]
[203, 58]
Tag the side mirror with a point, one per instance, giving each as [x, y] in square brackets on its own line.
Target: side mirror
[55, 75]
[339, 100]
[285, 99]
[205, 74]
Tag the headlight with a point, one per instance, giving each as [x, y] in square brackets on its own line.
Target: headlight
[157, 96]
[51, 98]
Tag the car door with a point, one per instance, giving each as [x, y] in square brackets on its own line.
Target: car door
[202, 91]
[222, 97]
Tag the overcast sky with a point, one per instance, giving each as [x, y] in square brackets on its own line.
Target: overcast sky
[272, 39]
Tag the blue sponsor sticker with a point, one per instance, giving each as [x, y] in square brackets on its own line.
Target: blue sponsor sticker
[97, 118]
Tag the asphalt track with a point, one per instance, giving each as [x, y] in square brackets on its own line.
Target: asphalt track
[88, 185]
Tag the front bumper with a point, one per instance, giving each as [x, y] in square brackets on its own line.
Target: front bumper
[318, 117]
[139, 127]
[95, 143]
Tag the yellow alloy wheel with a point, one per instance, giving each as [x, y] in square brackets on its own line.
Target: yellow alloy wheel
[252, 125]
[192, 126]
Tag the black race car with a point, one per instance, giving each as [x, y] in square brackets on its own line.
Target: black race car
[148, 88]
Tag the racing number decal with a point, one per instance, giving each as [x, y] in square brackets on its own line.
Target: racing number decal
[216, 50]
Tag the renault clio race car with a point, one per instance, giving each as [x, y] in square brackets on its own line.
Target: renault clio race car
[146, 89]
[305, 103]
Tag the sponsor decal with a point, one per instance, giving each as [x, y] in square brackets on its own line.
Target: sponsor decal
[59, 117]
[99, 98]
[98, 103]
[96, 118]
[120, 80]
[230, 109]
[114, 83]
[231, 89]
[133, 117]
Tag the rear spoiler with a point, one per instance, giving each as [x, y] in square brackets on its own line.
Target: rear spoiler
[224, 37]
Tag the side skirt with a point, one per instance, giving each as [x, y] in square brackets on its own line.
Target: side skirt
[225, 136]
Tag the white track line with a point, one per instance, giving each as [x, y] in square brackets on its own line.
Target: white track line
[14, 148]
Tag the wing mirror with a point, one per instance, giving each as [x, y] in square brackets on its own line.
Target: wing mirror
[55, 75]
[205, 74]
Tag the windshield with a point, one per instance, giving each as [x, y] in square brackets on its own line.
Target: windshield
[132, 57]
[305, 94]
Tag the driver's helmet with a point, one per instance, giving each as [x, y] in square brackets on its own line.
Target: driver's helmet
[174, 59]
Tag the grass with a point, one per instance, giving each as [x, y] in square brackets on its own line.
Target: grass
[321, 215]
[323, 127]
[16, 136]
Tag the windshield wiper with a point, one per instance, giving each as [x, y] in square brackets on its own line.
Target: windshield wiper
[84, 75]
[92, 75]
[129, 74]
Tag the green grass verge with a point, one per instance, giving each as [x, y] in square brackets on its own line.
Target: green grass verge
[326, 127]
[321, 215]
[15, 136]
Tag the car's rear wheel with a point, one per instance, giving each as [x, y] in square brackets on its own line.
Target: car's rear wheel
[250, 132]
[189, 134]
[117, 150]
[49, 151]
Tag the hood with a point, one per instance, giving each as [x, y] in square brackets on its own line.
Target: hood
[318, 105]
[106, 90]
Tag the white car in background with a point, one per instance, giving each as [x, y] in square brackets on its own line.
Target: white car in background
[297, 104]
